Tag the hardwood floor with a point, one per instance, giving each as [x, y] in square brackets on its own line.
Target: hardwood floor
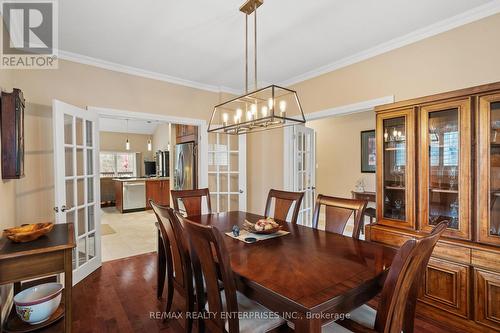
[120, 297]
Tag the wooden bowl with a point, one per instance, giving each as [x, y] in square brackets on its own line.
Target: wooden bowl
[28, 232]
[265, 232]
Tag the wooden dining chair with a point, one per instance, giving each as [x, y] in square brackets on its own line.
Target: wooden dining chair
[192, 200]
[209, 256]
[337, 214]
[283, 203]
[180, 273]
[396, 309]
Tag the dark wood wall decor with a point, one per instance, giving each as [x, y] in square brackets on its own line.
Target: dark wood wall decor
[438, 158]
[12, 132]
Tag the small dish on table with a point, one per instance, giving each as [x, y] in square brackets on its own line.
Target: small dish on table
[263, 226]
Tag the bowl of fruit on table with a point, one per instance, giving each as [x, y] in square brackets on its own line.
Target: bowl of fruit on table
[263, 226]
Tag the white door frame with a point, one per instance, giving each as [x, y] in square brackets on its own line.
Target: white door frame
[60, 110]
[288, 150]
[202, 133]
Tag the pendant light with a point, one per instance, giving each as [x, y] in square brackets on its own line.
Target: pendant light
[150, 145]
[127, 143]
[262, 109]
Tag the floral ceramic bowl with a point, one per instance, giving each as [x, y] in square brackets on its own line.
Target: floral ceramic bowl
[36, 304]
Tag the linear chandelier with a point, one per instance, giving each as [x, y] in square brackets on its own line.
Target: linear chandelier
[262, 109]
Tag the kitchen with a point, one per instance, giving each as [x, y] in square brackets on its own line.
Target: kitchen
[137, 160]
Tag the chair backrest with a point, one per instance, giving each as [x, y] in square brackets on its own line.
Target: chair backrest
[337, 213]
[173, 232]
[192, 200]
[403, 278]
[209, 256]
[283, 203]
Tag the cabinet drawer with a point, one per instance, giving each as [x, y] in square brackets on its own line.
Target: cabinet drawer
[452, 252]
[388, 238]
[486, 259]
[446, 286]
[487, 298]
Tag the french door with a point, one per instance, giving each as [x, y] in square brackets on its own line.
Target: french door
[227, 172]
[304, 166]
[77, 194]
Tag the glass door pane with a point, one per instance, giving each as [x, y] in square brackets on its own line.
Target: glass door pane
[444, 159]
[226, 172]
[445, 167]
[394, 178]
[494, 220]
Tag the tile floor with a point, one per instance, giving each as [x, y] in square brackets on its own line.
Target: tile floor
[135, 233]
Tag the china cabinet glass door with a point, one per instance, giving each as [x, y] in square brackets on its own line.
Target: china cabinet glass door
[445, 167]
[395, 133]
[489, 170]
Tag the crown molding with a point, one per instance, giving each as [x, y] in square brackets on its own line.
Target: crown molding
[112, 66]
[469, 16]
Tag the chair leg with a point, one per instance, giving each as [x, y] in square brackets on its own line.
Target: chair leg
[190, 309]
[161, 267]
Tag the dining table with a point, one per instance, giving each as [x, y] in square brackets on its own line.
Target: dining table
[308, 276]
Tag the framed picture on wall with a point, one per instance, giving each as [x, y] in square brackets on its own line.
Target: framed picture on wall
[368, 151]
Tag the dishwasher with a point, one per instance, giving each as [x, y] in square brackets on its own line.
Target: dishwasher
[134, 195]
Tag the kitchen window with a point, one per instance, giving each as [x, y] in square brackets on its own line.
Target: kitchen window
[118, 164]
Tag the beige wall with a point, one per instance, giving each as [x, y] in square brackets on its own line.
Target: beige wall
[462, 57]
[115, 142]
[338, 153]
[161, 137]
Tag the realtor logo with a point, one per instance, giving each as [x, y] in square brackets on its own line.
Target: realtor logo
[29, 34]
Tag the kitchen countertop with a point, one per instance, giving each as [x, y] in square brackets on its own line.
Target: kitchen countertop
[140, 179]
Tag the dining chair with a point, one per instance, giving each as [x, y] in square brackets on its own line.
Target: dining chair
[396, 309]
[192, 200]
[209, 256]
[179, 271]
[283, 203]
[337, 214]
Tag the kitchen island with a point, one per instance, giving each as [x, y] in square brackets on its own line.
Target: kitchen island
[133, 194]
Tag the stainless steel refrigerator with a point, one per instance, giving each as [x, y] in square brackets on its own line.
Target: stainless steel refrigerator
[185, 166]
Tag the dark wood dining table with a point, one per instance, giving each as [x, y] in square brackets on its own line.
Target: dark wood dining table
[309, 276]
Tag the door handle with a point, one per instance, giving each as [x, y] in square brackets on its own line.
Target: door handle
[64, 208]
[241, 191]
[56, 209]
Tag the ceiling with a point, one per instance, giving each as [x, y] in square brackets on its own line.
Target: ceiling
[134, 126]
[200, 42]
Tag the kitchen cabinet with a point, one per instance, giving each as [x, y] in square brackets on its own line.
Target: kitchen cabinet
[158, 191]
[186, 133]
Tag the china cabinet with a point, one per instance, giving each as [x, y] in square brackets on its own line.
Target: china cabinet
[438, 158]
[489, 169]
[395, 206]
[445, 143]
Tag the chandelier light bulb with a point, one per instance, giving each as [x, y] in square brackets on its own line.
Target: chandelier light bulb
[270, 103]
[282, 106]
[225, 117]
[253, 108]
[264, 111]
[239, 112]
[249, 115]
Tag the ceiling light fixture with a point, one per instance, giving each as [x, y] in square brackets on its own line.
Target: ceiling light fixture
[127, 143]
[228, 117]
[150, 145]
